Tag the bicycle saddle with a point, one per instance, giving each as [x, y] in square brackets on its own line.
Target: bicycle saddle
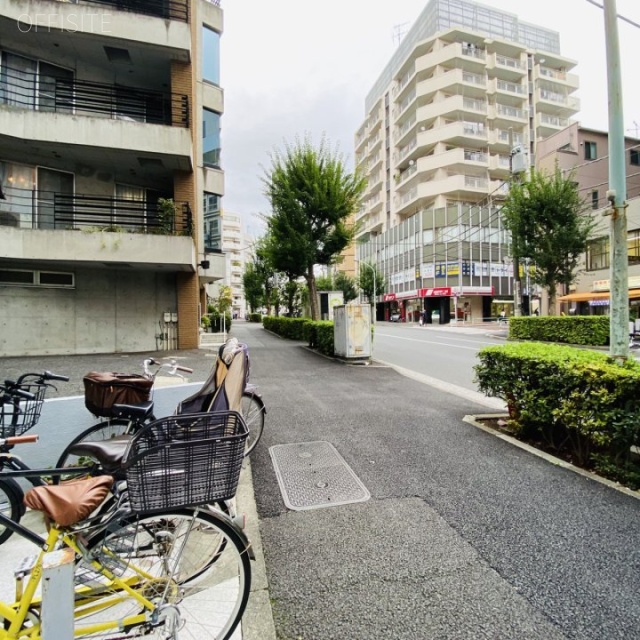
[68, 503]
[109, 453]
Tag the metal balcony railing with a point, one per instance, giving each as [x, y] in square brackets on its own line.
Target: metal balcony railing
[168, 9]
[29, 90]
[32, 209]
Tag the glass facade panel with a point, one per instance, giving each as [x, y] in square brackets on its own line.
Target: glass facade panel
[210, 55]
[210, 138]
[212, 223]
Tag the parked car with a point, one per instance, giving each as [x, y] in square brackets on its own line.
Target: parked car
[394, 317]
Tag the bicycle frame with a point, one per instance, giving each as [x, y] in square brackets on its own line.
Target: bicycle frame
[88, 601]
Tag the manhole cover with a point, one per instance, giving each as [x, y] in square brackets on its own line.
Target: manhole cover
[313, 475]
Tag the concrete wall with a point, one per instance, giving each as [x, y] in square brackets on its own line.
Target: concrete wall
[107, 311]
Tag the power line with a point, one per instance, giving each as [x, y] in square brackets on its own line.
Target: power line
[621, 17]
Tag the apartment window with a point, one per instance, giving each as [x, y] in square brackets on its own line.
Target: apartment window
[633, 246]
[598, 254]
[594, 199]
[210, 138]
[27, 278]
[634, 157]
[590, 151]
[210, 55]
[211, 221]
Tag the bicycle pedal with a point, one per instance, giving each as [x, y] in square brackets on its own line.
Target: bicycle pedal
[25, 567]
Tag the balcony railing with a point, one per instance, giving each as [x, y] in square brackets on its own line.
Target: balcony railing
[32, 209]
[60, 95]
[168, 9]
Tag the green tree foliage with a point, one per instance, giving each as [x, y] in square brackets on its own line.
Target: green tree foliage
[550, 225]
[347, 285]
[366, 281]
[252, 283]
[312, 196]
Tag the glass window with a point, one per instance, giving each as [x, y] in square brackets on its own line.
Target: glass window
[211, 220]
[210, 55]
[634, 156]
[598, 254]
[594, 199]
[633, 246]
[210, 138]
[590, 151]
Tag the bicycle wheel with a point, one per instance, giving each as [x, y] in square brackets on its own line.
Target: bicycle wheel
[11, 506]
[252, 411]
[199, 563]
[97, 432]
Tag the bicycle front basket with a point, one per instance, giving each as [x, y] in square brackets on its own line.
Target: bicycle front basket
[185, 460]
[18, 415]
[103, 389]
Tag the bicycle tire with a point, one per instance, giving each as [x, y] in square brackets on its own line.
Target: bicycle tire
[252, 410]
[97, 432]
[214, 584]
[11, 505]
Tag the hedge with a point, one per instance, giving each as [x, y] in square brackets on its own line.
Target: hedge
[255, 317]
[292, 328]
[587, 330]
[569, 399]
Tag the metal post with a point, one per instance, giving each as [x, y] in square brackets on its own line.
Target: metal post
[619, 303]
[517, 300]
[57, 595]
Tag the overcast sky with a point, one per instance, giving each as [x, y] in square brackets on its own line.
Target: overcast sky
[304, 67]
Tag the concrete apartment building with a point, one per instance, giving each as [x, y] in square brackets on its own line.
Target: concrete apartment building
[106, 108]
[235, 245]
[584, 154]
[466, 85]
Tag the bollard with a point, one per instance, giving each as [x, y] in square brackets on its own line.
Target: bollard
[57, 595]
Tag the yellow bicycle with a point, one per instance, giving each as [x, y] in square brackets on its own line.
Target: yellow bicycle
[155, 564]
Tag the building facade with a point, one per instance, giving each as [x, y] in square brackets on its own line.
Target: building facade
[110, 173]
[236, 245]
[467, 85]
[584, 154]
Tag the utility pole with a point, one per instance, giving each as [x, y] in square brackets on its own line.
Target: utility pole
[617, 195]
[517, 285]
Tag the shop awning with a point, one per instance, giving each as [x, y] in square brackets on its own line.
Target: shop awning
[600, 295]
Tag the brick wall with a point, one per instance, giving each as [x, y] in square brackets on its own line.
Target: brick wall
[188, 320]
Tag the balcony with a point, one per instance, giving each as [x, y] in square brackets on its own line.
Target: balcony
[32, 209]
[77, 97]
[506, 67]
[506, 114]
[556, 76]
[556, 103]
[168, 9]
[546, 125]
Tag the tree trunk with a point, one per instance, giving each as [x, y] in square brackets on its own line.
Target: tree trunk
[313, 295]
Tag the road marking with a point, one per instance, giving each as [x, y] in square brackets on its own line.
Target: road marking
[445, 344]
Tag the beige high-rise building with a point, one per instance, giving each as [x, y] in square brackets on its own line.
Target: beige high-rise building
[467, 85]
[110, 173]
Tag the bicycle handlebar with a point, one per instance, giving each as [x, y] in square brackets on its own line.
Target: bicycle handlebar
[49, 375]
[19, 439]
[185, 369]
[19, 393]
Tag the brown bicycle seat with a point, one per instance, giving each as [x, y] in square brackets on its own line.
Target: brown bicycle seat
[109, 453]
[69, 502]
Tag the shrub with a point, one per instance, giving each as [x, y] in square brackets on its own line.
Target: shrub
[571, 399]
[216, 321]
[587, 330]
[205, 322]
[255, 317]
[320, 336]
[292, 328]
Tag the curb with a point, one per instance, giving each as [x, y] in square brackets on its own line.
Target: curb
[474, 420]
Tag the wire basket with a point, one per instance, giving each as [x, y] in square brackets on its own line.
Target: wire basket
[18, 415]
[185, 460]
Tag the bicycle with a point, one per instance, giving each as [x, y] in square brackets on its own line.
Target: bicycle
[124, 420]
[131, 571]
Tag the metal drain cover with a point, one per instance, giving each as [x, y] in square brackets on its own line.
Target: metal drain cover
[313, 475]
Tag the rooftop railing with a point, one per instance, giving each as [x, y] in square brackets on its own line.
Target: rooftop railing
[29, 90]
[168, 9]
[32, 209]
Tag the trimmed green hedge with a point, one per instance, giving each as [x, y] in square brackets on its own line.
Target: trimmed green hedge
[320, 336]
[569, 399]
[292, 328]
[587, 330]
[255, 317]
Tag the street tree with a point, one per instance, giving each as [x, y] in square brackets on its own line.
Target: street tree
[366, 281]
[550, 225]
[347, 285]
[252, 284]
[312, 197]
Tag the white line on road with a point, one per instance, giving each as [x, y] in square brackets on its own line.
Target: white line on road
[445, 344]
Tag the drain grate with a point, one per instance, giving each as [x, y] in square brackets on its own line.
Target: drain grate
[313, 475]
